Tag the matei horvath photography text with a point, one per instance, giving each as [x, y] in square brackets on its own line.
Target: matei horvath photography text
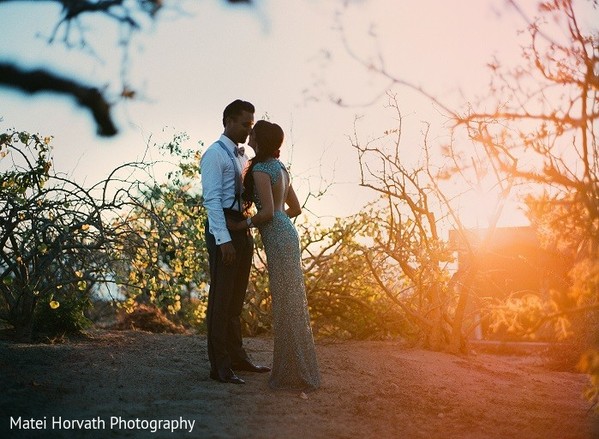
[98, 423]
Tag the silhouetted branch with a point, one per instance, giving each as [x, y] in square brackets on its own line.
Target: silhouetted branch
[36, 81]
[127, 15]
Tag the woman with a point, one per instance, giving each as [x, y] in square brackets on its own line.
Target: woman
[268, 185]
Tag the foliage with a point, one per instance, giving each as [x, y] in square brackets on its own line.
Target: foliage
[342, 299]
[62, 313]
[61, 241]
[567, 307]
[54, 239]
[147, 238]
[166, 263]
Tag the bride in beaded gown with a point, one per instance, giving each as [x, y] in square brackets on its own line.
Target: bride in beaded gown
[294, 360]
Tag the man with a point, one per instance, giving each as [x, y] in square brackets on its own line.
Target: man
[229, 252]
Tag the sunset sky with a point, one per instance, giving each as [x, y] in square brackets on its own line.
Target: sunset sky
[285, 57]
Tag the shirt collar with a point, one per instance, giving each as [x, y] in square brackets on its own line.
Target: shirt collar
[228, 142]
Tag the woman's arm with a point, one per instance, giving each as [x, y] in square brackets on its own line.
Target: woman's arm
[294, 208]
[264, 191]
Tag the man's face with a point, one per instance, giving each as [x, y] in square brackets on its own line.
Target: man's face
[239, 127]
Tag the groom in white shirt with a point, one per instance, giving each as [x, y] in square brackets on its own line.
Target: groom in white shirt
[229, 252]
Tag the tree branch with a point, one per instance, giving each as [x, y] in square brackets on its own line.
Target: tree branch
[36, 81]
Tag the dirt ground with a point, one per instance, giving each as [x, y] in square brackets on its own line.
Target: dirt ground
[370, 389]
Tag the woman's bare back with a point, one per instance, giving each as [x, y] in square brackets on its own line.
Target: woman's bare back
[280, 190]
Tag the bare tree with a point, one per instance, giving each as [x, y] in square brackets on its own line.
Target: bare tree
[410, 258]
[535, 128]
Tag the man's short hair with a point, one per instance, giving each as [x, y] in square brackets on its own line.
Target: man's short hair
[235, 109]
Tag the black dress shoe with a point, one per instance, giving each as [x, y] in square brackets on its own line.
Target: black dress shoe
[226, 377]
[248, 366]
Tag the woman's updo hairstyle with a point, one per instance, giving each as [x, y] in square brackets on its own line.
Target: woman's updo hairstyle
[269, 138]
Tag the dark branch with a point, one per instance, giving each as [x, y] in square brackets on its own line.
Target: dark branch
[36, 81]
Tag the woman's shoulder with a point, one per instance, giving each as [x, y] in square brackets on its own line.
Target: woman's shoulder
[271, 167]
[268, 166]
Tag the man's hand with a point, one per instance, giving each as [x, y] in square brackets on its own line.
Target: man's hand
[228, 252]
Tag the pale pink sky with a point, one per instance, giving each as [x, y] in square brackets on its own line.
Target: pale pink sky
[189, 68]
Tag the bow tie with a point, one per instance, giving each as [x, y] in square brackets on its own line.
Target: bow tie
[239, 151]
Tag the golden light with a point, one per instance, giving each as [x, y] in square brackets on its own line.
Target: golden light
[486, 208]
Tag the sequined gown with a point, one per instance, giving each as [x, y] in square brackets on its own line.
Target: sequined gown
[294, 359]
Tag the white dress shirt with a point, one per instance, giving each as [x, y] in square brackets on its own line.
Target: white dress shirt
[218, 185]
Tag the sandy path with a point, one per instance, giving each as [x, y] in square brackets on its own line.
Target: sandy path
[370, 390]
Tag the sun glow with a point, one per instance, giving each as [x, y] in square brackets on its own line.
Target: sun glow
[482, 209]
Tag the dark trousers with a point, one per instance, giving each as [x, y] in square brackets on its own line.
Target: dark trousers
[228, 285]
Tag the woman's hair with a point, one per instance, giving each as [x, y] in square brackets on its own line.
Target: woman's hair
[269, 138]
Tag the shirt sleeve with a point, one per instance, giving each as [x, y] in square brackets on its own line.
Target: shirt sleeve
[212, 170]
